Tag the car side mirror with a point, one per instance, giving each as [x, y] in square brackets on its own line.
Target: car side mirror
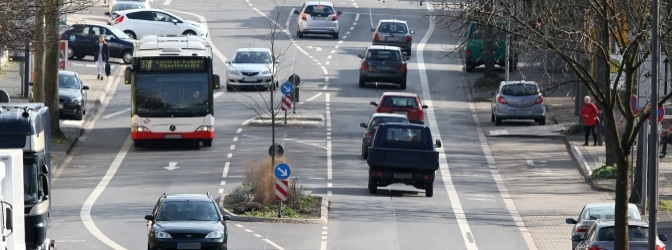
[412, 32]
[360, 56]
[577, 238]
[174, 21]
[85, 87]
[437, 143]
[570, 221]
[296, 12]
[107, 13]
[227, 217]
[424, 107]
[339, 12]
[149, 217]
[362, 125]
[227, 61]
[374, 103]
[373, 29]
[492, 93]
[662, 237]
[276, 62]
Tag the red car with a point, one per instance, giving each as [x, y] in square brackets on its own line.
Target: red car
[402, 103]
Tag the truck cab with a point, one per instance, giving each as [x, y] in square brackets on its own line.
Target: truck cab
[27, 126]
[473, 47]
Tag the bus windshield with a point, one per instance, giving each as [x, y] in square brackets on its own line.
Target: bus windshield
[172, 95]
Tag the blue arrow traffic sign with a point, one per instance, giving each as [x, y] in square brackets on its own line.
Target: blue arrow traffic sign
[286, 88]
[282, 171]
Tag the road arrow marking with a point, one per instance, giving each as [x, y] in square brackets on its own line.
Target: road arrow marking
[172, 166]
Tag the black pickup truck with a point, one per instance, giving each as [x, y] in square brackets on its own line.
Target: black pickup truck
[403, 153]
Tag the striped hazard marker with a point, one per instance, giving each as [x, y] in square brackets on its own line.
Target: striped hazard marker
[281, 190]
[286, 102]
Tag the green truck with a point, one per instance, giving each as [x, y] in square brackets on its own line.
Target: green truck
[473, 47]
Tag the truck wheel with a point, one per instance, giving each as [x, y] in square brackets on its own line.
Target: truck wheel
[365, 152]
[373, 188]
[429, 190]
[469, 67]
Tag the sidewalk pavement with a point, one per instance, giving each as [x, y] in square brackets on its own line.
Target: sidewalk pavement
[10, 81]
[589, 158]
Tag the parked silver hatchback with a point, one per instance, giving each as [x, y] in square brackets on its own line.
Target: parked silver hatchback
[317, 18]
[518, 100]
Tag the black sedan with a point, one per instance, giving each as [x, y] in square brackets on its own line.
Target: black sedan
[371, 126]
[383, 64]
[187, 221]
[71, 95]
[83, 41]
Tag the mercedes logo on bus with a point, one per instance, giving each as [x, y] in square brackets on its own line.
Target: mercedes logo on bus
[172, 127]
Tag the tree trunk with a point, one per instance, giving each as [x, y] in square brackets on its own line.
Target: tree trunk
[51, 66]
[38, 59]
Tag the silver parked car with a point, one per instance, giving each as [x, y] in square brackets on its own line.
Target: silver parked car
[392, 32]
[601, 236]
[317, 17]
[518, 100]
[592, 212]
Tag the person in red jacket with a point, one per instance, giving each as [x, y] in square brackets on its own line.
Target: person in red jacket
[589, 114]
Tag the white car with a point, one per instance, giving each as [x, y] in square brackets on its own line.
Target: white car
[251, 67]
[141, 22]
[145, 3]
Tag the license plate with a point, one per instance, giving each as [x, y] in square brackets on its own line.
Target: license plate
[400, 112]
[392, 38]
[383, 67]
[249, 79]
[188, 245]
[403, 176]
[172, 136]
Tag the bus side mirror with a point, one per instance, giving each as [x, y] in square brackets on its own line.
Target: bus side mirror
[215, 81]
[9, 222]
[127, 75]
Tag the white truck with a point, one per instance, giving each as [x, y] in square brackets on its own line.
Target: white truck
[12, 232]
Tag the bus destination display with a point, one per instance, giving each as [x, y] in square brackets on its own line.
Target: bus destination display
[191, 64]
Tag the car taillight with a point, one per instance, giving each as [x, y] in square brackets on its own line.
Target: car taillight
[467, 54]
[409, 39]
[303, 16]
[335, 17]
[660, 247]
[402, 68]
[367, 135]
[375, 36]
[539, 100]
[365, 66]
[582, 229]
[119, 20]
[594, 248]
[501, 100]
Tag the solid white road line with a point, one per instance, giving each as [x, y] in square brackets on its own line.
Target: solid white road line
[116, 113]
[455, 203]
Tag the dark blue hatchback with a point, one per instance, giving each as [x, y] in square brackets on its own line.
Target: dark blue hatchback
[83, 40]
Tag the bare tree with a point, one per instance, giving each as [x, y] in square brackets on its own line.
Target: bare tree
[583, 34]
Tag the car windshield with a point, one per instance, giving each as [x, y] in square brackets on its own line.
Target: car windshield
[607, 213]
[392, 27]
[399, 102]
[118, 33]
[379, 120]
[252, 57]
[413, 135]
[520, 89]
[383, 55]
[635, 233]
[68, 82]
[188, 211]
[120, 7]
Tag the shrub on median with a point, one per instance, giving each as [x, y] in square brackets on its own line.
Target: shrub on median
[604, 172]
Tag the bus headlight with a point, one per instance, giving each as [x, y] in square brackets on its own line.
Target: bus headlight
[205, 128]
[138, 128]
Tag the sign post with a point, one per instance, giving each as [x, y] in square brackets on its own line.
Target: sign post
[282, 172]
[295, 80]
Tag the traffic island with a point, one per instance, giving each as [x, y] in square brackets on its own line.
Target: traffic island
[299, 119]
